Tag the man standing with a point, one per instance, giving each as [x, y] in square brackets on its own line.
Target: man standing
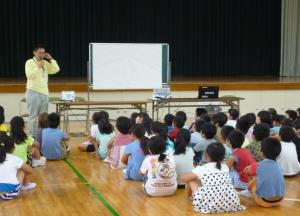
[37, 70]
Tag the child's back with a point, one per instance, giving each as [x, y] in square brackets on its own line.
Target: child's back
[103, 139]
[216, 194]
[21, 149]
[135, 161]
[161, 176]
[120, 141]
[52, 146]
[288, 159]
[243, 159]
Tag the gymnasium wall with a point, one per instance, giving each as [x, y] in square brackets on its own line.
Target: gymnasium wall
[254, 101]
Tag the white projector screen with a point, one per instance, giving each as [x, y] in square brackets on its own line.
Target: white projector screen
[126, 66]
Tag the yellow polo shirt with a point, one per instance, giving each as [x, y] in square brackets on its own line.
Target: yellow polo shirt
[37, 78]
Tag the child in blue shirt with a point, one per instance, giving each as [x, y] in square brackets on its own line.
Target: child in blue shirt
[134, 154]
[54, 145]
[268, 187]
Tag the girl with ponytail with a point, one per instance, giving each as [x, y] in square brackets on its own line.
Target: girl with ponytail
[158, 169]
[211, 183]
[14, 172]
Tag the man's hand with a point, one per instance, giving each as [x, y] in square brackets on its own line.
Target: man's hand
[41, 64]
[48, 56]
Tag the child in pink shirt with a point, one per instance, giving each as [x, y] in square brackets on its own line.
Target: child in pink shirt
[118, 143]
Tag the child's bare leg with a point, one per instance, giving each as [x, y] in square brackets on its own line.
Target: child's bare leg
[191, 187]
[22, 177]
[82, 147]
[35, 153]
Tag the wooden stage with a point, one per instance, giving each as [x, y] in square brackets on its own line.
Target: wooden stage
[58, 84]
[86, 186]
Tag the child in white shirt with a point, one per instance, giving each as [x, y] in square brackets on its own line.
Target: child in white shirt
[14, 172]
[158, 169]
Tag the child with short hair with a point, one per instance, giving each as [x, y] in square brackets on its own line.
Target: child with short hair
[158, 128]
[14, 171]
[198, 113]
[183, 115]
[233, 116]
[42, 124]
[87, 146]
[102, 137]
[288, 158]
[3, 126]
[277, 122]
[178, 123]
[168, 120]
[183, 155]
[54, 146]
[196, 136]
[226, 130]
[260, 132]
[292, 115]
[243, 125]
[210, 185]
[267, 186]
[159, 169]
[219, 121]
[239, 160]
[208, 132]
[264, 117]
[134, 154]
[25, 146]
[117, 144]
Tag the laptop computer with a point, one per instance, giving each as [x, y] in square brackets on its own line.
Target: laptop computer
[208, 92]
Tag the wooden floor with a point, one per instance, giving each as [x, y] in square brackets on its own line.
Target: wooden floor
[62, 191]
[58, 84]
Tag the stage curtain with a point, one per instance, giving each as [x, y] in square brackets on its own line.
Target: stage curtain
[206, 37]
[290, 38]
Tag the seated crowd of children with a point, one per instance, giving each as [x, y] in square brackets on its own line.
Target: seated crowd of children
[215, 159]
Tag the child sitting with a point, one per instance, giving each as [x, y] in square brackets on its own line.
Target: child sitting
[210, 186]
[233, 116]
[239, 160]
[288, 159]
[134, 154]
[268, 187]
[54, 145]
[158, 169]
[183, 155]
[168, 120]
[178, 123]
[219, 121]
[25, 146]
[196, 136]
[158, 128]
[264, 117]
[260, 132]
[14, 172]
[96, 117]
[42, 124]
[102, 137]
[252, 121]
[208, 132]
[243, 125]
[116, 145]
[3, 126]
[184, 116]
[277, 122]
[199, 112]
[226, 130]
